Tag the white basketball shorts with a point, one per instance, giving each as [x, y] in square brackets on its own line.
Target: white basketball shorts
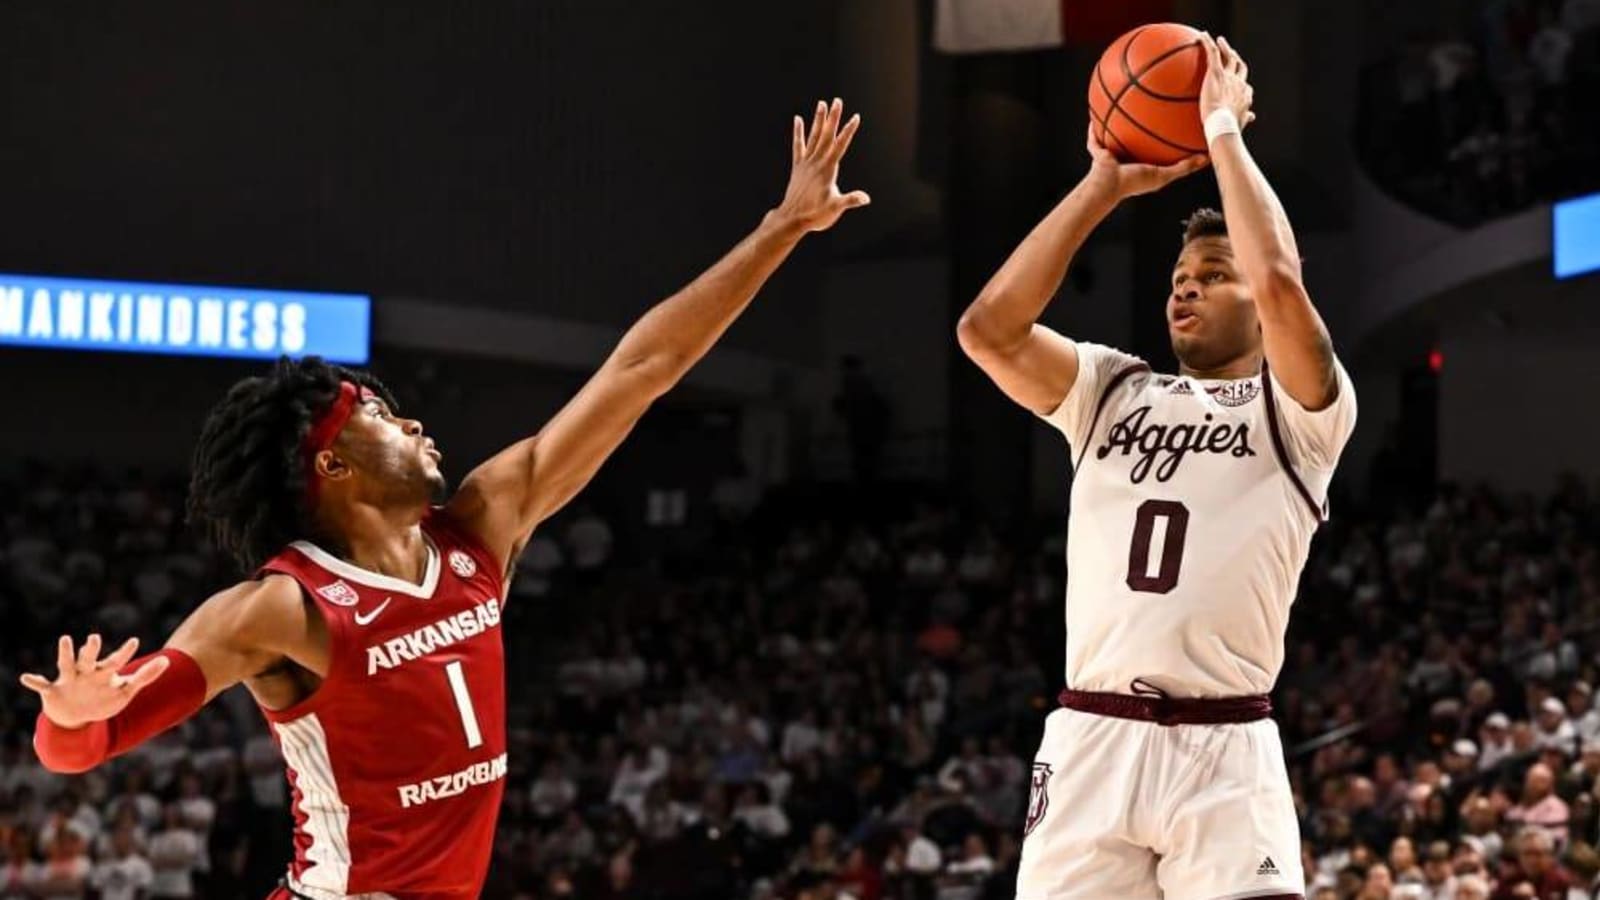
[1128, 810]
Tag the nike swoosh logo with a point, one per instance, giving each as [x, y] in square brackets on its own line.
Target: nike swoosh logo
[365, 619]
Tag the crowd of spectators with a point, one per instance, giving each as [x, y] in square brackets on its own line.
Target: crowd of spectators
[1447, 658]
[813, 701]
[1487, 111]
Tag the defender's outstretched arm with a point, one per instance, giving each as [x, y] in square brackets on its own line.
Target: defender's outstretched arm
[505, 498]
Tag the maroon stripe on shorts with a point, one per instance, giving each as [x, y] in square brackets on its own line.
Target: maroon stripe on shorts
[1164, 710]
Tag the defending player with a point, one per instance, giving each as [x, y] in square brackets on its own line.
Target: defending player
[369, 631]
[1193, 504]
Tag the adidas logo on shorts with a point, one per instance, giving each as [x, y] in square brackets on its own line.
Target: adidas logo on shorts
[1267, 867]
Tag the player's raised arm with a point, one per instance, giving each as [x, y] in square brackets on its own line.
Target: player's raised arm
[1294, 338]
[503, 499]
[99, 707]
[1000, 331]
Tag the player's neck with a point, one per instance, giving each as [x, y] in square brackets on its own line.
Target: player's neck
[1246, 366]
[386, 541]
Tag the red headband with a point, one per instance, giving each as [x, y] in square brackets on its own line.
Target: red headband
[326, 427]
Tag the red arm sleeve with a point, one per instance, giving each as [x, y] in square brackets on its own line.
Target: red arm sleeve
[175, 696]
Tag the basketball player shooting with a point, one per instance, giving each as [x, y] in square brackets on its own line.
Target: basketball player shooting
[368, 633]
[1194, 499]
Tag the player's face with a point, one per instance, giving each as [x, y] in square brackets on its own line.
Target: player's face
[1211, 317]
[397, 462]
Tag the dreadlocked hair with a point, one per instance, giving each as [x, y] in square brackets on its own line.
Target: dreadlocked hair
[247, 487]
[1204, 222]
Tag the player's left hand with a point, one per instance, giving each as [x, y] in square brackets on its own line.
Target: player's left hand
[1227, 81]
[813, 200]
[1126, 179]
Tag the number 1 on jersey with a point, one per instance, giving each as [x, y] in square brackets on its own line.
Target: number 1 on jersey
[469, 717]
[1155, 557]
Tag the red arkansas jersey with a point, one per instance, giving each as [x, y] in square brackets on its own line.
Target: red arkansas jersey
[397, 761]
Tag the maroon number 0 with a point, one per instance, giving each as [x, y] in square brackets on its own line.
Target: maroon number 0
[1144, 527]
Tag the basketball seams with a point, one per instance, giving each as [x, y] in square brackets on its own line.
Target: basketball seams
[1115, 99]
[1115, 107]
[1106, 134]
[1133, 77]
[1112, 106]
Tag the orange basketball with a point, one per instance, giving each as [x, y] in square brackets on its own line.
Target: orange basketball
[1144, 96]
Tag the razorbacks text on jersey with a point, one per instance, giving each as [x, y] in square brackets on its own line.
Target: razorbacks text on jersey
[397, 761]
[1193, 506]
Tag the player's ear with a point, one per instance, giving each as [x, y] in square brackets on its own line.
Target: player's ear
[329, 464]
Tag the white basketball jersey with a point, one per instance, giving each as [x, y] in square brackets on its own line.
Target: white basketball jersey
[1193, 506]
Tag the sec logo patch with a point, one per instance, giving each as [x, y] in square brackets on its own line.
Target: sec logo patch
[462, 564]
[1235, 393]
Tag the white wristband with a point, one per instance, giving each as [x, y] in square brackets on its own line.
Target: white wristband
[1220, 122]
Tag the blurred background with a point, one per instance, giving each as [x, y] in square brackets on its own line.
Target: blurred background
[800, 636]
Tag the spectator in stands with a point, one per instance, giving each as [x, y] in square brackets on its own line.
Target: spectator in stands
[123, 873]
[1378, 883]
[918, 857]
[1404, 866]
[1472, 887]
[1536, 867]
[1539, 806]
[801, 736]
[1438, 875]
[64, 872]
[1388, 784]
[552, 794]
[1460, 764]
[639, 768]
[1583, 866]
[1495, 738]
[1554, 730]
[175, 854]
[964, 877]
[820, 856]
[17, 863]
[966, 768]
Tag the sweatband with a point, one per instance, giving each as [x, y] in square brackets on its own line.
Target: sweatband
[1220, 122]
[174, 696]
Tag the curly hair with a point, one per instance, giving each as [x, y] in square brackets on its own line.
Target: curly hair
[247, 488]
[1204, 222]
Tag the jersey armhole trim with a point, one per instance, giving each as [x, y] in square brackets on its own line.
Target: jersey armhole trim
[1100, 406]
[1319, 512]
[315, 700]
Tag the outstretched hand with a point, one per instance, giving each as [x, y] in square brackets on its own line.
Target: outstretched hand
[1132, 179]
[87, 688]
[813, 200]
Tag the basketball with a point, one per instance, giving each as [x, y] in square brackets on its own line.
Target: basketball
[1144, 96]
